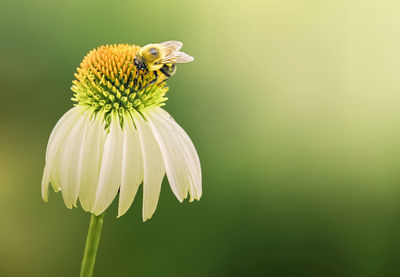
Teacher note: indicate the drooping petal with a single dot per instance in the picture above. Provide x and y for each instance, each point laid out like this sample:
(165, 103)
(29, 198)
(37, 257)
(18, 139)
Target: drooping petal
(180, 157)
(132, 165)
(57, 137)
(110, 170)
(153, 167)
(92, 156)
(182, 165)
(71, 161)
(174, 160)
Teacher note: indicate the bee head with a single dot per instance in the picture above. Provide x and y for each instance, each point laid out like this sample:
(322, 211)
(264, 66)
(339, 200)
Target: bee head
(155, 56)
(139, 62)
(151, 55)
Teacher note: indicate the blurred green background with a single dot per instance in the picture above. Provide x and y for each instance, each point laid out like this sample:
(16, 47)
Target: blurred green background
(293, 107)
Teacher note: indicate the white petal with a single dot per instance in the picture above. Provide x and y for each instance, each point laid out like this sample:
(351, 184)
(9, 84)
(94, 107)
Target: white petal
(71, 161)
(64, 122)
(93, 152)
(57, 137)
(153, 167)
(110, 171)
(132, 166)
(174, 160)
(180, 151)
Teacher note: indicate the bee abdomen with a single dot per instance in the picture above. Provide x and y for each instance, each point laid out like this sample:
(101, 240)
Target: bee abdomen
(168, 70)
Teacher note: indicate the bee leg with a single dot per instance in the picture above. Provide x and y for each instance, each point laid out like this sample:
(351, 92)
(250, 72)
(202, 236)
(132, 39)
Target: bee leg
(155, 78)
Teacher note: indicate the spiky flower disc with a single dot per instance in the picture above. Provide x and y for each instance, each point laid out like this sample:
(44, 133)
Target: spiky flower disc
(118, 137)
(108, 79)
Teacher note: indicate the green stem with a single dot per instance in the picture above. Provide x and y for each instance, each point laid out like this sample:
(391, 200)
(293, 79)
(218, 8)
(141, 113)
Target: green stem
(92, 243)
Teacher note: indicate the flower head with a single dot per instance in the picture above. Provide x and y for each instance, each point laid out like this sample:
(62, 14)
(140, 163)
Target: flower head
(117, 136)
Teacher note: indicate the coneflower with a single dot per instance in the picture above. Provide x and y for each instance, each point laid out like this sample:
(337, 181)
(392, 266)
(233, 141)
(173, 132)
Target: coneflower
(117, 136)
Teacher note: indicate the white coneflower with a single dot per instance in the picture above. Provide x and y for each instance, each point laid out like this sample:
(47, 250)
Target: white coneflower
(117, 136)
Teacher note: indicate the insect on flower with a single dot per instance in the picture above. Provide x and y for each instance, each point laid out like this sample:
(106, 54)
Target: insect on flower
(161, 56)
(117, 136)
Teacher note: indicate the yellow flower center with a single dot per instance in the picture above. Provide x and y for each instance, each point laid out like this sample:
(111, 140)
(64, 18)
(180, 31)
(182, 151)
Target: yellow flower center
(108, 79)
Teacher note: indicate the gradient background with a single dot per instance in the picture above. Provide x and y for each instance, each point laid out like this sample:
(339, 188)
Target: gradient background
(293, 107)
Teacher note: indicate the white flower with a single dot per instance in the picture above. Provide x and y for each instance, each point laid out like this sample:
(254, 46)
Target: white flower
(107, 145)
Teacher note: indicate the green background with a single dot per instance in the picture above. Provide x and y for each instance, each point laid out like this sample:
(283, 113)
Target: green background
(293, 107)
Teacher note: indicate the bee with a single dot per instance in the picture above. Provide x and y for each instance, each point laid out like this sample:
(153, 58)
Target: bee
(162, 56)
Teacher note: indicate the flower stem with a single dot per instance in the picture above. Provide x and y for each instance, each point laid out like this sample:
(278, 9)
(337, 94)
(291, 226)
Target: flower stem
(92, 243)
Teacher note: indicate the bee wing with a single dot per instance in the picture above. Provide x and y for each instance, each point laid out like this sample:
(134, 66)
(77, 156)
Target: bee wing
(172, 44)
(177, 57)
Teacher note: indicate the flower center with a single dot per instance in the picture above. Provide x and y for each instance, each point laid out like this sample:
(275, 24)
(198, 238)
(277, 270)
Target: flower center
(108, 79)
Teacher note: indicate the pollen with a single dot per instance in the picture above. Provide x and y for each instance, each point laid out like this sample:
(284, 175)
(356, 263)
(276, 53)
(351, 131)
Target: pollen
(108, 79)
